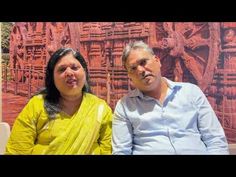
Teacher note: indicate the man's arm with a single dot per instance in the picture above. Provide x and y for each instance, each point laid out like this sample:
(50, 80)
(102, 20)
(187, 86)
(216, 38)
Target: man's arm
(121, 132)
(105, 132)
(212, 133)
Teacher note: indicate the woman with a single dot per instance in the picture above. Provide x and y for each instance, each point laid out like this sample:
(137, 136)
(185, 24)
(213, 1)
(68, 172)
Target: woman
(65, 118)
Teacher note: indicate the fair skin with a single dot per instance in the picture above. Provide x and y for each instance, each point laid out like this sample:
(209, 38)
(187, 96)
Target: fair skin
(144, 70)
(69, 78)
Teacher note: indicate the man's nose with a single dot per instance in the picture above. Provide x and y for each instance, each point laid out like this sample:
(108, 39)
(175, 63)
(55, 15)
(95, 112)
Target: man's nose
(140, 69)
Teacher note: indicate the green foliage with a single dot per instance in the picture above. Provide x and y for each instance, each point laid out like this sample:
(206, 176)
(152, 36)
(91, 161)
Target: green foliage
(6, 30)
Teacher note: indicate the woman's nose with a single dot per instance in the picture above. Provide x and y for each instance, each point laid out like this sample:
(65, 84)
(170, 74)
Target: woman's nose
(68, 72)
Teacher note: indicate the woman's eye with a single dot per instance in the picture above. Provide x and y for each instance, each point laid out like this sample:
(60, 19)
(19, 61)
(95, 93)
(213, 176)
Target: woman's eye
(75, 68)
(61, 70)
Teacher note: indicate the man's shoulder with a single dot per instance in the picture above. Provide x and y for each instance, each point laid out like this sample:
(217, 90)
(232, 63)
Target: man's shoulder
(129, 97)
(131, 94)
(188, 89)
(185, 85)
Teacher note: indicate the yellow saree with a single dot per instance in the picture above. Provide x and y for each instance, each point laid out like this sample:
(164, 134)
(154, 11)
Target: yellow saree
(88, 131)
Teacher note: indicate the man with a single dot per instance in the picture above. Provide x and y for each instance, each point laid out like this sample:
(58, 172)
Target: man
(161, 116)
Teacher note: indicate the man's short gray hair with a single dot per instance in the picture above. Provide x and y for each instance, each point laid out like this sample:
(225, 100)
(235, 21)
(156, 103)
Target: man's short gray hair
(133, 46)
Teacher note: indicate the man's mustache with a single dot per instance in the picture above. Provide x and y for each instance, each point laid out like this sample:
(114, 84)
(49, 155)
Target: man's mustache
(144, 75)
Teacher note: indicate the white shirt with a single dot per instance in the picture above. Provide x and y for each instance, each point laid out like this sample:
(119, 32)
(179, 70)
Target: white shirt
(184, 124)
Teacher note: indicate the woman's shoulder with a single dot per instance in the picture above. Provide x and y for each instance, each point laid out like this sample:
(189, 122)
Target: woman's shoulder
(35, 104)
(94, 98)
(37, 98)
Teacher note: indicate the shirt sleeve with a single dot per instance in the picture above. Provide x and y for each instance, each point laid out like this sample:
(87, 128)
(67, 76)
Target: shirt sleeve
(121, 132)
(105, 132)
(212, 133)
(23, 134)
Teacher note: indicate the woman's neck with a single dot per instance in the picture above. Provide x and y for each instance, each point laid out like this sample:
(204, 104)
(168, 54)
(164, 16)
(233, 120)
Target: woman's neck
(70, 104)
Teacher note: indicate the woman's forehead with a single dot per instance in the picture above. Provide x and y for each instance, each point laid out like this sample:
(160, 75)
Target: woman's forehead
(68, 59)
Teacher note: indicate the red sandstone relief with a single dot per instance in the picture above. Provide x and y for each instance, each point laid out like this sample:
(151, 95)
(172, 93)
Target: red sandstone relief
(201, 53)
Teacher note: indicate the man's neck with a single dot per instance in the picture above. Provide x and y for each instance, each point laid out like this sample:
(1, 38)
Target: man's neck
(159, 92)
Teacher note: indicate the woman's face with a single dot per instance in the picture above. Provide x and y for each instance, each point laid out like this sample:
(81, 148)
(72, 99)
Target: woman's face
(69, 76)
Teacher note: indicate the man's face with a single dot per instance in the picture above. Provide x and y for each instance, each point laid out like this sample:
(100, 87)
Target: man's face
(143, 69)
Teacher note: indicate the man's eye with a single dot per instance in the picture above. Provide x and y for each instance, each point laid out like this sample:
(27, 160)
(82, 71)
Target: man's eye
(133, 68)
(143, 62)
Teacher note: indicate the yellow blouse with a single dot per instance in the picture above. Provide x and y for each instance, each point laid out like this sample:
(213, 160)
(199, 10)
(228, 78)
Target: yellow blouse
(88, 131)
